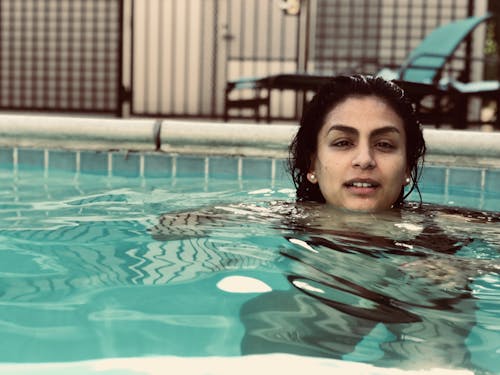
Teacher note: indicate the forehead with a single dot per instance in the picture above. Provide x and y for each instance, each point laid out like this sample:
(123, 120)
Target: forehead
(363, 112)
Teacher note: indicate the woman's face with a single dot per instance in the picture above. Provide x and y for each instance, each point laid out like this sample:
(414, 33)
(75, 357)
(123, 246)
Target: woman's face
(360, 161)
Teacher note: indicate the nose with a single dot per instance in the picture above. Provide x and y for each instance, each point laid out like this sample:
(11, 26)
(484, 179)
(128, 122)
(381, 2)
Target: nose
(363, 158)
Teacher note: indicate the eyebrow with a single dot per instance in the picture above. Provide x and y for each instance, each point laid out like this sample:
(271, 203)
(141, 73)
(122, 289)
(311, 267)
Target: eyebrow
(351, 130)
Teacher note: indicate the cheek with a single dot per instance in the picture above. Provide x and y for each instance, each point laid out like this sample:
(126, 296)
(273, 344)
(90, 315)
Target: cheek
(327, 161)
(399, 164)
(324, 168)
(405, 169)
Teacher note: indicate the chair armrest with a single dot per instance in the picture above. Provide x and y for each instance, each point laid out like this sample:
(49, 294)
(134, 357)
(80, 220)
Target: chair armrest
(472, 88)
(411, 64)
(246, 83)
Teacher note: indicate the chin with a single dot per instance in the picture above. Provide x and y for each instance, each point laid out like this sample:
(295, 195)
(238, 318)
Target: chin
(366, 207)
(363, 209)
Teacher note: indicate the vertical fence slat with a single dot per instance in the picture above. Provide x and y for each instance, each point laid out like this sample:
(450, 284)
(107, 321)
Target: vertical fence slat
(69, 42)
(83, 51)
(215, 53)
(186, 62)
(201, 44)
(160, 67)
(57, 50)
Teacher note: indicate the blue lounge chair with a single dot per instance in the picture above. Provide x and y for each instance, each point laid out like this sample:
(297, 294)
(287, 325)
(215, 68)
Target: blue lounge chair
(426, 62)
(422, 74)
(419, 75)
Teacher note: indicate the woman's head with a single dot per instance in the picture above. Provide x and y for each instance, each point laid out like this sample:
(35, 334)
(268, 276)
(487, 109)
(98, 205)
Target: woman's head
(358, 145)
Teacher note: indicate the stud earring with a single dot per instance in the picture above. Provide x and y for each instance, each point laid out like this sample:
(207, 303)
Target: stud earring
(407, 180)
(311, 177)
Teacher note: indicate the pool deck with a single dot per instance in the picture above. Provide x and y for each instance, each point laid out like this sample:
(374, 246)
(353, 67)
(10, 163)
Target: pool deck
(448, 147)
(247, 365)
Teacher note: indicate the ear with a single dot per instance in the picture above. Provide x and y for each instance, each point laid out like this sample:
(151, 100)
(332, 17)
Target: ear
(407, 178)
(311, 177)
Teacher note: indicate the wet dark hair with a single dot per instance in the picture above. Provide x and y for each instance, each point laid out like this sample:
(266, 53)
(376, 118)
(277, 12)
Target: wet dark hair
(340, 88)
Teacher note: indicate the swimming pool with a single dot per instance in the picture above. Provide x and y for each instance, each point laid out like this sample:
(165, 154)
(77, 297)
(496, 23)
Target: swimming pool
(89, 272)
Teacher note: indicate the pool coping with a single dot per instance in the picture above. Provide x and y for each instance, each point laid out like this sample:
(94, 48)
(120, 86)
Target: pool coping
(452, 147)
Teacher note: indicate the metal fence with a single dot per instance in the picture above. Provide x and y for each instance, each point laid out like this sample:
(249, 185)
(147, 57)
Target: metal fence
(369, 34)
(173, 58)
(61, 55)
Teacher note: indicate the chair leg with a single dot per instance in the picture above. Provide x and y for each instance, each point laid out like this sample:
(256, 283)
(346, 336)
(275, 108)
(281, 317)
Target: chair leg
(256, 109)
(497, 119)
(436, 110)
(268, 106)
(460, 110)
(226, 105)
(226, 114)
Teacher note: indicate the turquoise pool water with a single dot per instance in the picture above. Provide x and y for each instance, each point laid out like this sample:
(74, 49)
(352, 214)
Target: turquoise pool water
(106, 255)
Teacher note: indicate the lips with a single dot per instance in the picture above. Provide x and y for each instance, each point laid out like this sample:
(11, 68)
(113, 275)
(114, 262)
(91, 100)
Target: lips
(362, 187)
(362, 184)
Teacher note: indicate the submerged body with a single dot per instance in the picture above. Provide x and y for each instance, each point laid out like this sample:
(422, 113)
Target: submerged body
(401, 278)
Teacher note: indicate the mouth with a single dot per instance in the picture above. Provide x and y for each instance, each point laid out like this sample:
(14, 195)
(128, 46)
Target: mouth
(362, 186)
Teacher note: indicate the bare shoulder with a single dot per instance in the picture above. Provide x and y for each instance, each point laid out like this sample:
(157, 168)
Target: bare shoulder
(202, 221)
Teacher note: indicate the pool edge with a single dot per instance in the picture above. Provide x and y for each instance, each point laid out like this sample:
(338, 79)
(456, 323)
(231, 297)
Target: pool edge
(464, 147)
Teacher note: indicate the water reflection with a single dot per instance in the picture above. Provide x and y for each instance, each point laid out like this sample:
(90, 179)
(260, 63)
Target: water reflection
(415, 288)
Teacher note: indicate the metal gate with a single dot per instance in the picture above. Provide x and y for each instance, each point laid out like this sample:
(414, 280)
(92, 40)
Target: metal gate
(183, 52)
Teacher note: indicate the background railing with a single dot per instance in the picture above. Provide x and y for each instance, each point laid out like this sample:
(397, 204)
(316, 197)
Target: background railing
(172, 58)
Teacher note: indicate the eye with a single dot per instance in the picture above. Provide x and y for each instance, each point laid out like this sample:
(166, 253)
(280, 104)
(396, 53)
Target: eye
(385, 145)
(341, 143)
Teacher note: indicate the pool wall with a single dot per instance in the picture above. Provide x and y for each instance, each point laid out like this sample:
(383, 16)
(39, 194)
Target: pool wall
(195, 137)
(168, 148)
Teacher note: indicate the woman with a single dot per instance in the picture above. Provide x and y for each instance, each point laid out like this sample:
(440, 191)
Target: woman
(359, 144)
